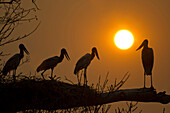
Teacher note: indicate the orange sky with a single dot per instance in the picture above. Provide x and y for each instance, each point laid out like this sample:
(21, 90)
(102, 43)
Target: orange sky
(78, 25)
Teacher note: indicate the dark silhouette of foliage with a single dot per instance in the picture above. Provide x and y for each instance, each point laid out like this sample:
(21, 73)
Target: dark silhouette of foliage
(32, 93)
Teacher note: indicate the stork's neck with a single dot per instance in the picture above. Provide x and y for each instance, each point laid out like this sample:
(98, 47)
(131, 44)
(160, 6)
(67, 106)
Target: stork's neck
(61, 57)
(21, 53)
(145, 46)
(92, 55)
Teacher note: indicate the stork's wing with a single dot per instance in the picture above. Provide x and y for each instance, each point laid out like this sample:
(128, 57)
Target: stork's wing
(48, 63)
(83, 62)
(152, 58)
(11, 64)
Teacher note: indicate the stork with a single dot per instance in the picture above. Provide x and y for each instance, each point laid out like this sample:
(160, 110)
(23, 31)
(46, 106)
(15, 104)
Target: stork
(14, 62)
(147, 59)
(84, 62)
(52, 62)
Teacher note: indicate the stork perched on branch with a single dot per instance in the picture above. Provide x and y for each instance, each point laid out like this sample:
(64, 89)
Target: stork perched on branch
(147, 59)
(84, 62)
(14, 62)
(52, 62)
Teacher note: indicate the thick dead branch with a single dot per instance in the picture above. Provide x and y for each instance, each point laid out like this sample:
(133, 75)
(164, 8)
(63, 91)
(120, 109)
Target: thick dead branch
(53, 95)
(139, 95)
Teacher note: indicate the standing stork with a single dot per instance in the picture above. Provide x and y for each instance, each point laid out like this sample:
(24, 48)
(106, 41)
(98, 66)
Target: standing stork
(147, 59)
(84, 62)
(52, 62)
(14, 61)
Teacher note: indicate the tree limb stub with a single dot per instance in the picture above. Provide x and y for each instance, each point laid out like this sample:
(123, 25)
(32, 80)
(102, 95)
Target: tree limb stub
(139, 95)
(53, 95)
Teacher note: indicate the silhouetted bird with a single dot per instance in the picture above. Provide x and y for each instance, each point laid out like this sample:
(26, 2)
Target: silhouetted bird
(14, 61)
(50, 63)
(147, 59)
(84, 62)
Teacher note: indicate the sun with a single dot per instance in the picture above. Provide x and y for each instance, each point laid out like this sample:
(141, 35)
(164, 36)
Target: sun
(123, 39)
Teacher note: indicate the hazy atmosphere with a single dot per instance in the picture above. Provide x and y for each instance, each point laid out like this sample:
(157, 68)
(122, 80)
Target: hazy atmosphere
(80, 25)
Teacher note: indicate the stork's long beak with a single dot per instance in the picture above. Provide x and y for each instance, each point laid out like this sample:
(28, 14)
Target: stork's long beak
(97, 54)
(66, 54)
(26, 51)
(140, 46)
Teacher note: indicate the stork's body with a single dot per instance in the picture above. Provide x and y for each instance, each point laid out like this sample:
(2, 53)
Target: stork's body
(83, 63)
(14, 61)
(52, 62)
(147, 60)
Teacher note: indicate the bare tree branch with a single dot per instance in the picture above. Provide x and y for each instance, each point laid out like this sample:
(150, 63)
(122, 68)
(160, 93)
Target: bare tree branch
(10, 2)
(33, 1)
(19, 38)
(13, 15)
(131, 108)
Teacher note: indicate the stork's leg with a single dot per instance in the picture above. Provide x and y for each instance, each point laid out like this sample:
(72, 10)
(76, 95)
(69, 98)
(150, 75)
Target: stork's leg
(14, 73)
(144, 81)
(82, 71)
(52, 73)
(78, 80)
(151, 83)
(85, 77)
(42, 74)
(10, 73)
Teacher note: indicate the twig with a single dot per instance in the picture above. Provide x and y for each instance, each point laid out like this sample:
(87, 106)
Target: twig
(19, 38)
(68, 80)
(33, 1)
(7, 2)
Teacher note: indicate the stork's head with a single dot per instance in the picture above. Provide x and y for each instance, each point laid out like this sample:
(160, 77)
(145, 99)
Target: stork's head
(144, 43)
(94, 50)
(22, 47)
(64, 52)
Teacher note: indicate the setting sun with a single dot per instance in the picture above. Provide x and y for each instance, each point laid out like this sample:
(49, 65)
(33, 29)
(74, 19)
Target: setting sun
(123, 39)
